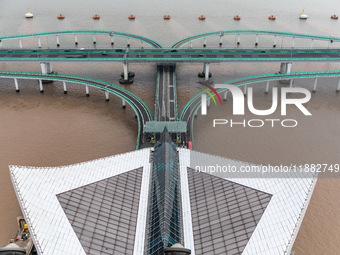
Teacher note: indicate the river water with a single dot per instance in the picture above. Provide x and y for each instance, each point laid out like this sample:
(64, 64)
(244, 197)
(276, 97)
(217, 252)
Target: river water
(53, 129)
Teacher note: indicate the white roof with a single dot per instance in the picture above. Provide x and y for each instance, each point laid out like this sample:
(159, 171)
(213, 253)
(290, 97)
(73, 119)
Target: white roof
(36, 189)
(277, 229)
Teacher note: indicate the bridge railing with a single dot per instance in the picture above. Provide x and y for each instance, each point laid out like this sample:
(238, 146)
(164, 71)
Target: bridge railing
(238, 33)
(112, 34)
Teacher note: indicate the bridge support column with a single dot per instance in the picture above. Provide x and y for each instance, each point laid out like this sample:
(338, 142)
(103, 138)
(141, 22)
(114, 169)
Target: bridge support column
(65, 88)
(16, 85)
(41, 86)
(286, 68)
(94, 39)
(112, 41)
(225, 95)
(87, 90)
(238, 39)
(245, 90)
(46, 68)
(312, 43)
(205, 42)
(205, 73)
(267, 87)
(283, 68)
(126, 75)
(49, 68)
(107, 96)
(39, 42)
(291, 83)
(274, 43)
(128, 42)
(20, 43)
(293, 42)
(141, 45)
(190, 45)
(43, 68)
(338, 88)
(315, 84)
(58, 42)
(75, 39)
(0, 43)
(221, 37)
(209, 101)
(126, 71)
(123, 104)
(257, 40)
(289, 68)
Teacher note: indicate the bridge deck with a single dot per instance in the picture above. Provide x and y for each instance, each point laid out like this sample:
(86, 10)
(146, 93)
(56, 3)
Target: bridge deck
(172, 56)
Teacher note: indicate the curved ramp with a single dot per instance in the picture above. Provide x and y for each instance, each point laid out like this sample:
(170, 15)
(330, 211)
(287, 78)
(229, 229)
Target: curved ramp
(149, 41)
(190, 109)
(188, 39)
(142, 111)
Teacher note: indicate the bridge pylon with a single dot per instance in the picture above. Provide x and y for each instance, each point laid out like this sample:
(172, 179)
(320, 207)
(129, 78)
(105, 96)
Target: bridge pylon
(206, 74)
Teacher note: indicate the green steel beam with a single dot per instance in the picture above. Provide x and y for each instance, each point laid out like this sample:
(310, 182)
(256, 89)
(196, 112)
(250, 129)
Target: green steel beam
(149, 41)
(185, 40)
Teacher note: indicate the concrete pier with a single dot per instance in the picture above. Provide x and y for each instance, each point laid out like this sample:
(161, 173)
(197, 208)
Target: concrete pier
(315, 84)
(43, 68)
(267, 87)
(87, 91)
(107, 94)
(41, 86)
(16, 85)
(245, 90)
(286, 68)
(127, 76)
(65, 87)
(205, 73)
(75, 39)
(39, 42)
(58, 42)
(46, 67)
(289, 68)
